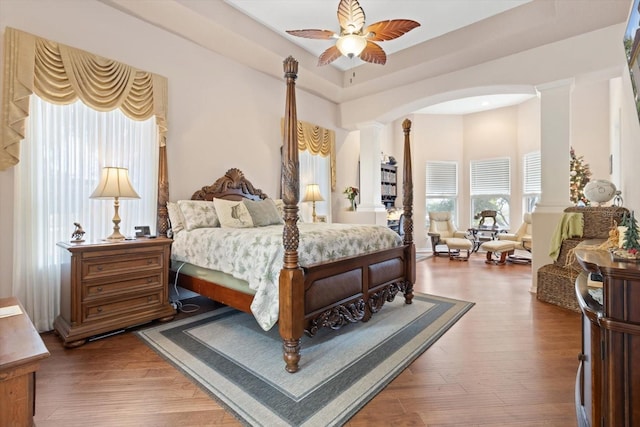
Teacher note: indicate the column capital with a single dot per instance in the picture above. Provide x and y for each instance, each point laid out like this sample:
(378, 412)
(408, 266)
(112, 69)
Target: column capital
(570, 83)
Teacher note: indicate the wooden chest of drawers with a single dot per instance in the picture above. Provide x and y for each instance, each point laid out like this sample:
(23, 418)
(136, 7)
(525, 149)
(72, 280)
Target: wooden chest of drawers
(110, 286)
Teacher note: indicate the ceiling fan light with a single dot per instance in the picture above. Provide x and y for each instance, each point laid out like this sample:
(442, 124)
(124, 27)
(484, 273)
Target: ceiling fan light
(351, 45)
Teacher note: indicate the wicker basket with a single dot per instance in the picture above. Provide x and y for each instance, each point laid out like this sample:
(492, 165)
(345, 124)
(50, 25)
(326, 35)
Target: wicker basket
(556, 282)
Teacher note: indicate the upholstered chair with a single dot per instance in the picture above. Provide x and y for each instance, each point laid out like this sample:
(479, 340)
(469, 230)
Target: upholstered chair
(441, 228)
(522, 236)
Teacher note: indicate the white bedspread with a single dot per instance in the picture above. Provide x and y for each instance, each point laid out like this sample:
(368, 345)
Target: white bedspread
(256, 254)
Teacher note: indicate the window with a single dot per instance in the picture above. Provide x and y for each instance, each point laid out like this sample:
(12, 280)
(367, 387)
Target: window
(491, 188)
(532, 182)
(62, 156)
(315, 170)
(442, 189)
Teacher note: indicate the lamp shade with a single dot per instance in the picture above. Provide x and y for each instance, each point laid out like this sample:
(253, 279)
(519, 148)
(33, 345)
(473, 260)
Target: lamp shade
(312, 194)
(351, 45)
(114, 182)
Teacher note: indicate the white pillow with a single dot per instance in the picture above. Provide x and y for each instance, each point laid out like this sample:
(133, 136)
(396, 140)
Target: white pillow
(175, 217)
(233, 213)
(198, 214)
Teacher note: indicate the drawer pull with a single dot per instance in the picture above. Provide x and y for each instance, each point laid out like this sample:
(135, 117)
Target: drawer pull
(99, 268)
(149, 261)
(149, 299)
(100, 289)
(99, 309)
(149, 280)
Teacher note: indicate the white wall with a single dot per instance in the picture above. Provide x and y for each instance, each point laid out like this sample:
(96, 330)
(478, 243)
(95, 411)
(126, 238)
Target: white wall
(630, 145)
(590, 125)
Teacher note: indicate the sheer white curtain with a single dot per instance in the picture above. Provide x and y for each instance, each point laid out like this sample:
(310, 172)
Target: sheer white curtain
(64, 150)
(315, 170)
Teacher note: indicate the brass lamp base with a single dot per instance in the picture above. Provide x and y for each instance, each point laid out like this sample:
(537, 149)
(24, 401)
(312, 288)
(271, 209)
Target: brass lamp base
(116, 236)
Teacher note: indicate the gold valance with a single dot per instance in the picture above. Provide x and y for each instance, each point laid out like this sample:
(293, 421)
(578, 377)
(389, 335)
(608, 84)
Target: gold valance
(61, 74)
(319, 142)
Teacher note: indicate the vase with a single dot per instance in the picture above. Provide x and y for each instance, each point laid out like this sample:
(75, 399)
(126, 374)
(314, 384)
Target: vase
(353, 204)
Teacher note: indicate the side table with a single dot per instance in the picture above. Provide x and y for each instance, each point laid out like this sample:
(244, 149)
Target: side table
(21, 350)
(482, 234)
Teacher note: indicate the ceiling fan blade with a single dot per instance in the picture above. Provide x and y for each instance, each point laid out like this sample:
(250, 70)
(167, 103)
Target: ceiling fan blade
(389, 30)
(350, 16)
(373, 53)
(329, 55)
(313, 34)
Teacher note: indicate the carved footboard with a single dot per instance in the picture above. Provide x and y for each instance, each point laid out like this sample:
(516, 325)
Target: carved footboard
(353, 289)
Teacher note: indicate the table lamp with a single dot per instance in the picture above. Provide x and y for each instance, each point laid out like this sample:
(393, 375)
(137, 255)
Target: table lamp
(312, 194)
(114, 183)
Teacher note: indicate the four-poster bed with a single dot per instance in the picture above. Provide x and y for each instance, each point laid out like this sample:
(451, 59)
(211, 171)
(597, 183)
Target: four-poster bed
(326, 294)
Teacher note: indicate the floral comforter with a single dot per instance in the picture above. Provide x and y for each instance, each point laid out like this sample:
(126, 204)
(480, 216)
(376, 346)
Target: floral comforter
(256, 254)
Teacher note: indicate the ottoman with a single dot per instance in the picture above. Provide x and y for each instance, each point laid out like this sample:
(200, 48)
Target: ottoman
(457, 244)
(504, 247)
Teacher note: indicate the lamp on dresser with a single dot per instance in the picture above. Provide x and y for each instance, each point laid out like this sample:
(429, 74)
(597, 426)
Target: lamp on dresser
(312, 194)
(114, 183)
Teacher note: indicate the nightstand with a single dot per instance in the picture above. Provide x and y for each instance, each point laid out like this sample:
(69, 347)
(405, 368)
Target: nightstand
(109, 286)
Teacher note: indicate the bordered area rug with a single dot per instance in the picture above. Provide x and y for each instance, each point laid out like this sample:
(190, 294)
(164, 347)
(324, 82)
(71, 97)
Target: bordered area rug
(228, 354)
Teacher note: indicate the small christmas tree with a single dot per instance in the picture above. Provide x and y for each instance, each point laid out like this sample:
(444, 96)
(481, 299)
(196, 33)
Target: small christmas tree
(579, 174)
(631, 243)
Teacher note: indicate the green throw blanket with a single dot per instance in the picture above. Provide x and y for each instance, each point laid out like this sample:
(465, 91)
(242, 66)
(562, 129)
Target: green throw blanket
(571, 225)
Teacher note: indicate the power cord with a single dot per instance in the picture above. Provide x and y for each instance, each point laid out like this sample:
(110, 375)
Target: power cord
(177, 304)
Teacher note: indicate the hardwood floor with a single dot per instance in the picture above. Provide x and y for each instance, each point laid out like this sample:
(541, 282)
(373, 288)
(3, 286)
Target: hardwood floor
(510, 361)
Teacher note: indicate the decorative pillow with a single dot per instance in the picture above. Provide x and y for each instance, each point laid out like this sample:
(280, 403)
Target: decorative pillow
(198, 214)
(280, 207)
(175, 217)
(263, 212)
(233, 213)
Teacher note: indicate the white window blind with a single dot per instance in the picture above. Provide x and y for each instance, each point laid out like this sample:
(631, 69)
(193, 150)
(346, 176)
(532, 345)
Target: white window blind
(442, 179)
(532, 173)
(490, 177)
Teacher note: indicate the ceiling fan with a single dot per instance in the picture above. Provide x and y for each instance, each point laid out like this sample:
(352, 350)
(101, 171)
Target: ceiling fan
(354, 39)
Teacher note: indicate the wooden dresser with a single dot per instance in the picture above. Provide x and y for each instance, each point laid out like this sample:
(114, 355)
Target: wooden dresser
(21, 350)
(111, 286)
(608, 380)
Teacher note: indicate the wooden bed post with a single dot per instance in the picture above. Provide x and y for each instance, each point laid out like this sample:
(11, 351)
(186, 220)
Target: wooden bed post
(162, 225)
(291, 311)
(407, 201)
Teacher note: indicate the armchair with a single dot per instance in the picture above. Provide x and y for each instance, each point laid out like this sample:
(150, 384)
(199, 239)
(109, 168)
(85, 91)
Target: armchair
(441, 228)
(521, 238)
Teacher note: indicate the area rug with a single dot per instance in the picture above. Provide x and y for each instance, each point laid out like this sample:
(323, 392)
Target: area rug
(227, 353)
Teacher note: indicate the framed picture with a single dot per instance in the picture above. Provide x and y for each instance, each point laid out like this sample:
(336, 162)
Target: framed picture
(142, 231)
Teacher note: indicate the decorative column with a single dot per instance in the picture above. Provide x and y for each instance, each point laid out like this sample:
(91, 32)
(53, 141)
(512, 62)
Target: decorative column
(370, 176)
(555, 144)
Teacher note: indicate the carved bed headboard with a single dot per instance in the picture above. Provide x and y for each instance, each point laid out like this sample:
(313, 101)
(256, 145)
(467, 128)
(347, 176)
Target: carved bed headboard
(232, 186)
